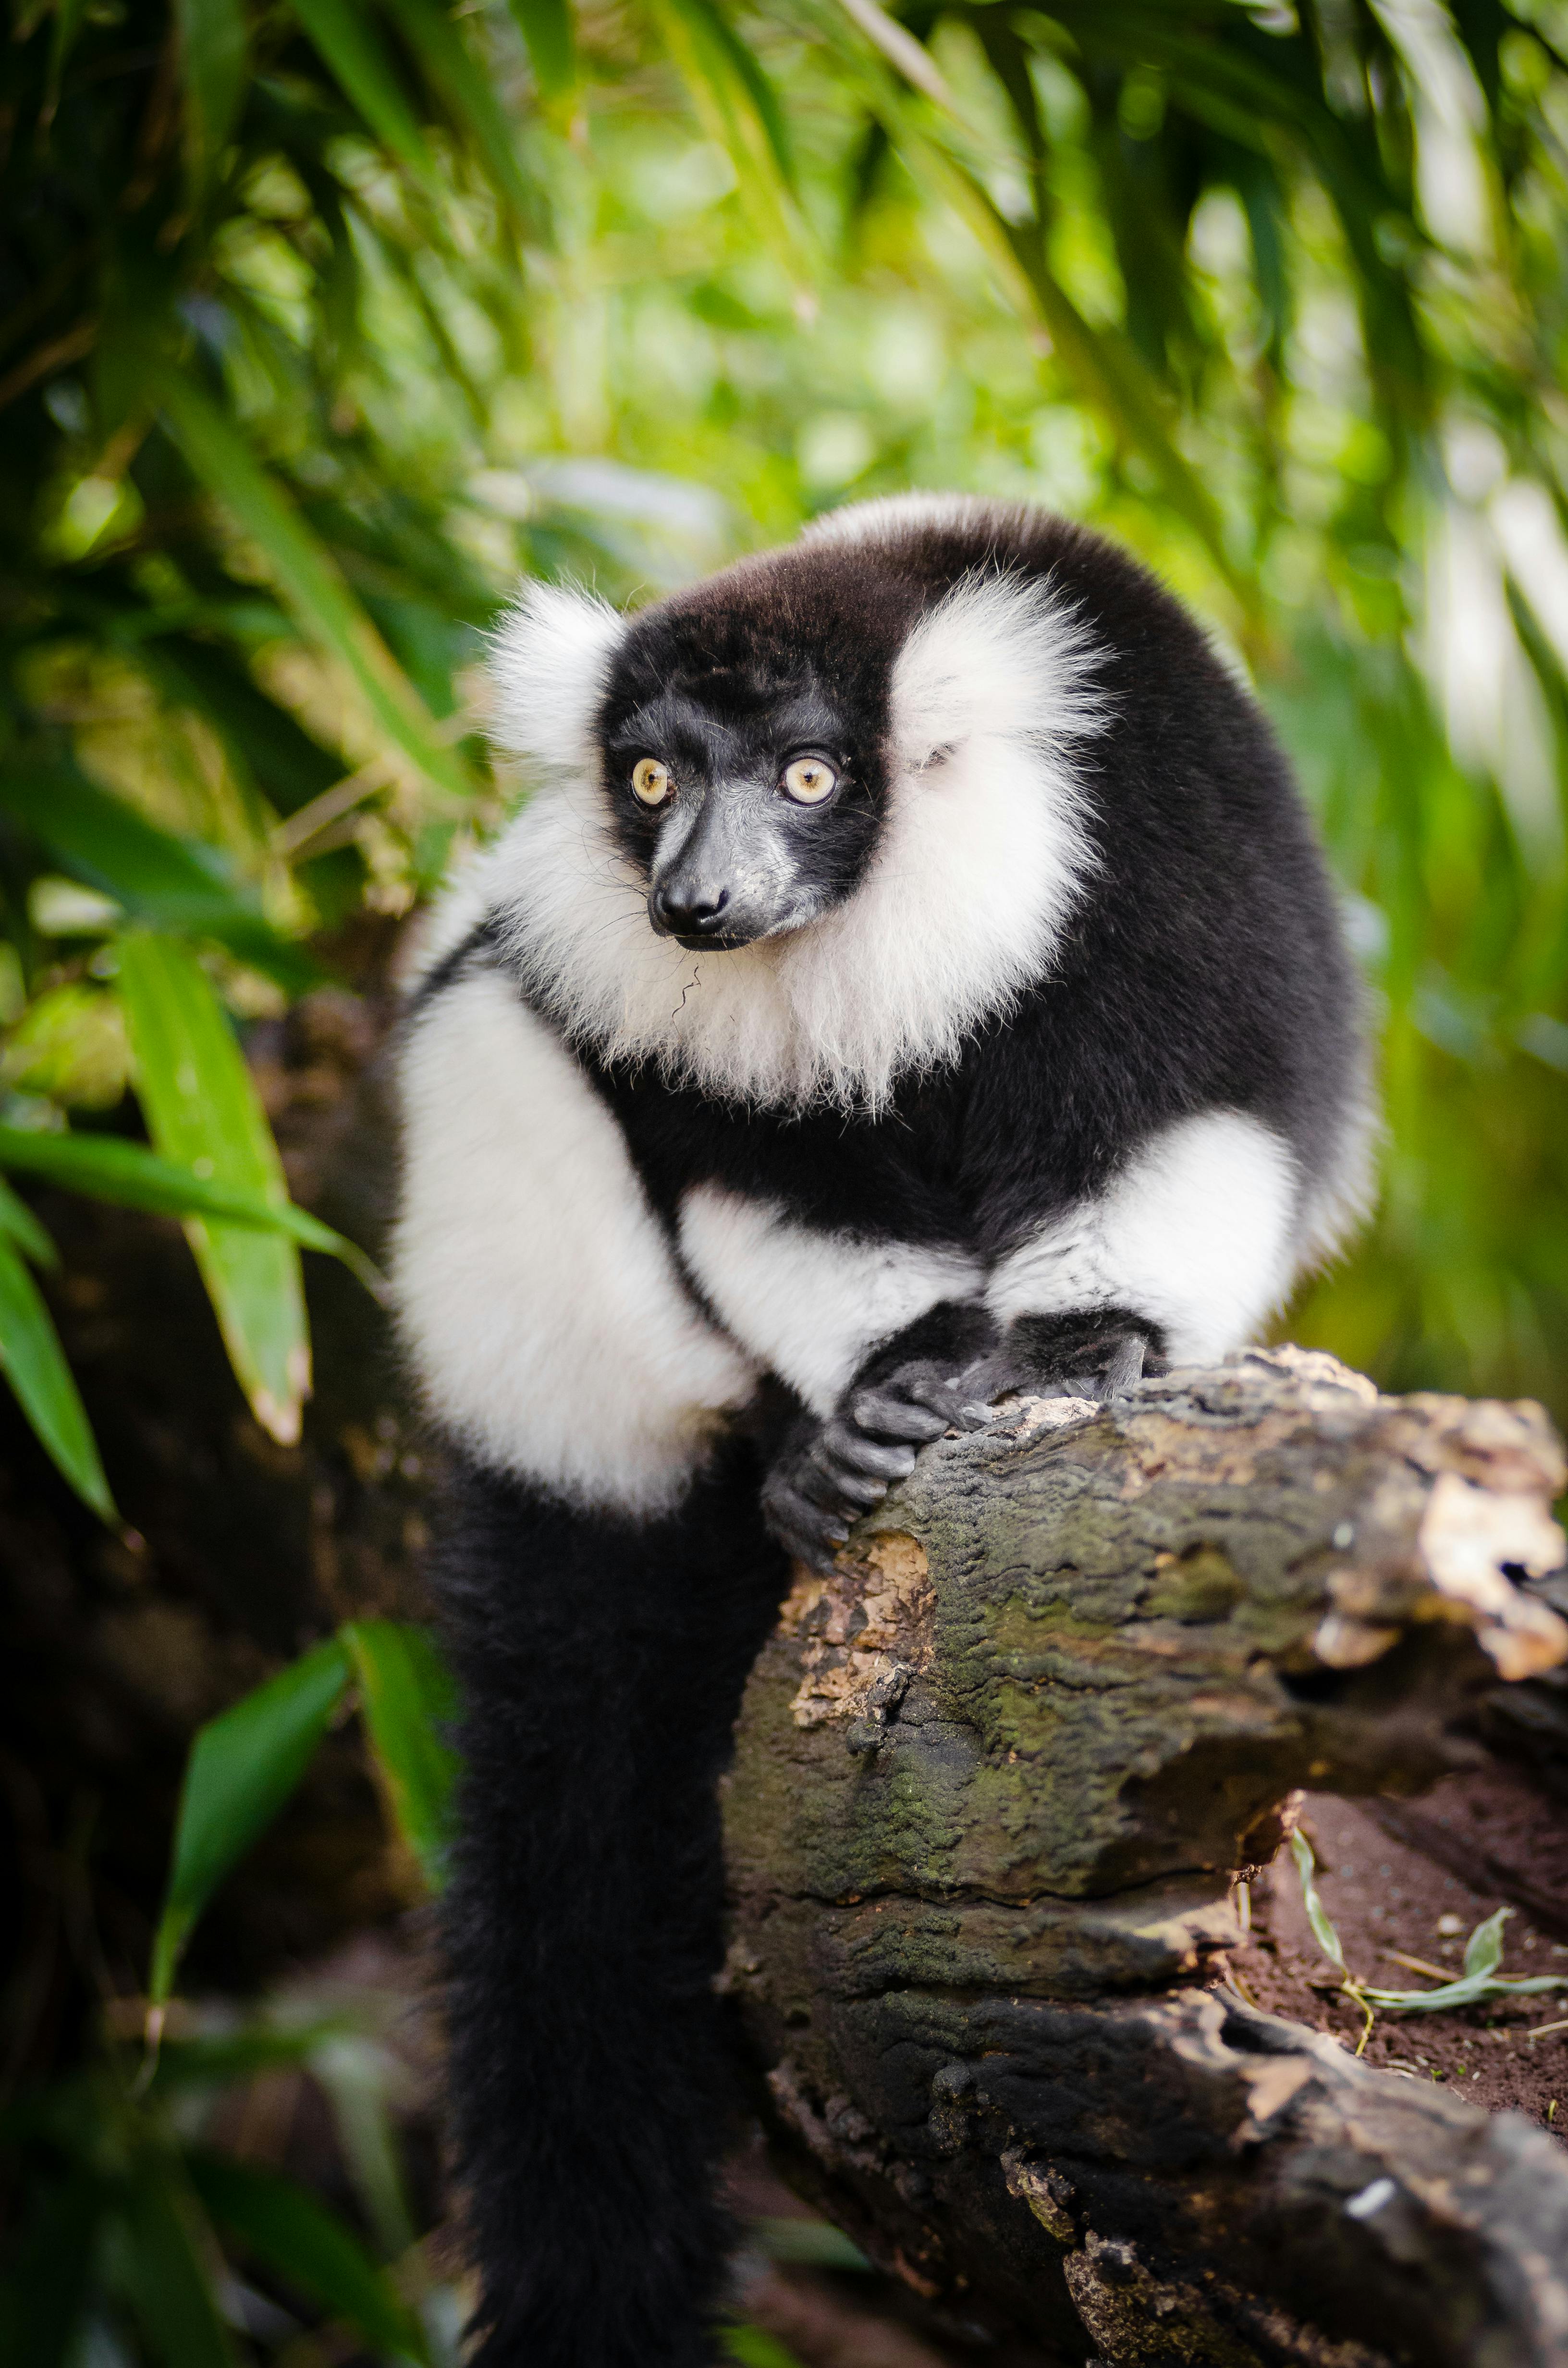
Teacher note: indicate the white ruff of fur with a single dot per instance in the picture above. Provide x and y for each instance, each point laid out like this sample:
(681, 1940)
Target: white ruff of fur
(979, 862)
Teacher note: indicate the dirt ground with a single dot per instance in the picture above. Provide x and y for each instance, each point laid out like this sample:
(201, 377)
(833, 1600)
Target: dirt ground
(1391, 1901)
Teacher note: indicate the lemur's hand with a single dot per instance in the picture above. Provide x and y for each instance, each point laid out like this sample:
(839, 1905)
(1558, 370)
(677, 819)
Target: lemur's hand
(827, 1476)
(1089, 1353)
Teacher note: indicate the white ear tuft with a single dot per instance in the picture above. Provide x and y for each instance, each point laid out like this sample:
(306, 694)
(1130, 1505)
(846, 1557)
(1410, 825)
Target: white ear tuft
(1000, 656)
(549, 663)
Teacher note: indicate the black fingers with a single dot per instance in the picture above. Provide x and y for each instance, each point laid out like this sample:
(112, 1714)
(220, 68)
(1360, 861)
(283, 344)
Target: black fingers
(988, 1379)
(812, 1532)
(947, 1396)
(825, 1482)
(887, 1415)
(842, 1446)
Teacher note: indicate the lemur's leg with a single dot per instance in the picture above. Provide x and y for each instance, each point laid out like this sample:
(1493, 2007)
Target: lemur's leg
(601, 1663)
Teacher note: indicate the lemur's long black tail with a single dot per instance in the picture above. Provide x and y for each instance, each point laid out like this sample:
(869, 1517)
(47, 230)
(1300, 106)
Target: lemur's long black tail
(601, 1663)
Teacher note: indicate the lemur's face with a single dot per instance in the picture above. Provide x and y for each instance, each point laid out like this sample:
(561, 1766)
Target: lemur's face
(744, 764)
(745, 822)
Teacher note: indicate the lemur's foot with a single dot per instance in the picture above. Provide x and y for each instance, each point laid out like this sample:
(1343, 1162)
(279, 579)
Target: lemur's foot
(823, 1482)
(1094, 1354)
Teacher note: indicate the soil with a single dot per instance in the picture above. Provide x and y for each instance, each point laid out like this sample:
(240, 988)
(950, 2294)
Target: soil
(1417, 1880)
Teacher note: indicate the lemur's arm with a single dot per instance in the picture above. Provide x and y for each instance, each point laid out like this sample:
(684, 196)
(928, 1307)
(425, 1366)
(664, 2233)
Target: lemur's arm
(1180, 1257)
(536, 1289)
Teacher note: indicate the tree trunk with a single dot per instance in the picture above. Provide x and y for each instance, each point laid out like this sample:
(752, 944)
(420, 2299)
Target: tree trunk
(997, 1781)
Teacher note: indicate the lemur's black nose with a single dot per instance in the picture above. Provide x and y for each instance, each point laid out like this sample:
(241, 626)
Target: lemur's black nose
(687, 911)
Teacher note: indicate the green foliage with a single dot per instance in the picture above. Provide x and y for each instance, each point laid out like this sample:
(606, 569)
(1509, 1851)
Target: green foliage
(405, 1691)
(755, 2348)
(1480, 1985)
(287, 2227)
(243, 1766)
(132, 2216)
(112, 1169)
(810, 2241)
(319, 322)
(35, 1366)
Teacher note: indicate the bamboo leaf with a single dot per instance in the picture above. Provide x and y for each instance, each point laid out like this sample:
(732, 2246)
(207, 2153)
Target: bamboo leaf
(1110, 378)
(262, 740)
(18, 1222)
(243, 1766)
(740, 112)
(34, 1363)
(307, 576)
(408, 1696)
(204, 1114)
(219, 2061)
(176, 883)
(165, 2273)
(940, 150)
(309, 2245)
(1323, 1932)
(1483, 1949)
(69, 18)
(549, 36)
(109, 1168)
(213, 49)
(816, 2243)
(351, 44)
(440, 43)
(753, 2348)
(45, 2290)
(715, 30)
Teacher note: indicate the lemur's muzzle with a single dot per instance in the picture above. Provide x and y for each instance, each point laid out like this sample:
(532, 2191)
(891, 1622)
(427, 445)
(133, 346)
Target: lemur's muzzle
(726, 884)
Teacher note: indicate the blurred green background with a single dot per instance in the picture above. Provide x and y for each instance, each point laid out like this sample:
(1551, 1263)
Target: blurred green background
(321, 321)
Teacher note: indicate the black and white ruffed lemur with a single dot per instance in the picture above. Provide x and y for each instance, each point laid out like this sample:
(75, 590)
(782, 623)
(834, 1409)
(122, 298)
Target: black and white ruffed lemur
(916, 979)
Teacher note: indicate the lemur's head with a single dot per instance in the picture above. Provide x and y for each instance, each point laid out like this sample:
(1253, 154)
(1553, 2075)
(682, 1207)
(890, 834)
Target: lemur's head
(739, 731)
(849, 766)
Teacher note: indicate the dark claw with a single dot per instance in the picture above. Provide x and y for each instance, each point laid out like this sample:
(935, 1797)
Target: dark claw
(820, 1486)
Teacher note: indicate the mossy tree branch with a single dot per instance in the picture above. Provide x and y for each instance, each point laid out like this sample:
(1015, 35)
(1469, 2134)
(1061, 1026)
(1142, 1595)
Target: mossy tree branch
(995, 1782)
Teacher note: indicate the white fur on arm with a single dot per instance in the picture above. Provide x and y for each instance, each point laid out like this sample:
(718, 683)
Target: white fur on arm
(536, 1292)
(1198, 1233)
(807, 1304)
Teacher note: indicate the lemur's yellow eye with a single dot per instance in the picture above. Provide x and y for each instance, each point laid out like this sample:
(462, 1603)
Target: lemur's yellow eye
(808, 780)
(651, 781)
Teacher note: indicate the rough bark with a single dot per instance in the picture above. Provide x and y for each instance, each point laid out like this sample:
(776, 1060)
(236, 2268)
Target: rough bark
(995, 1781)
